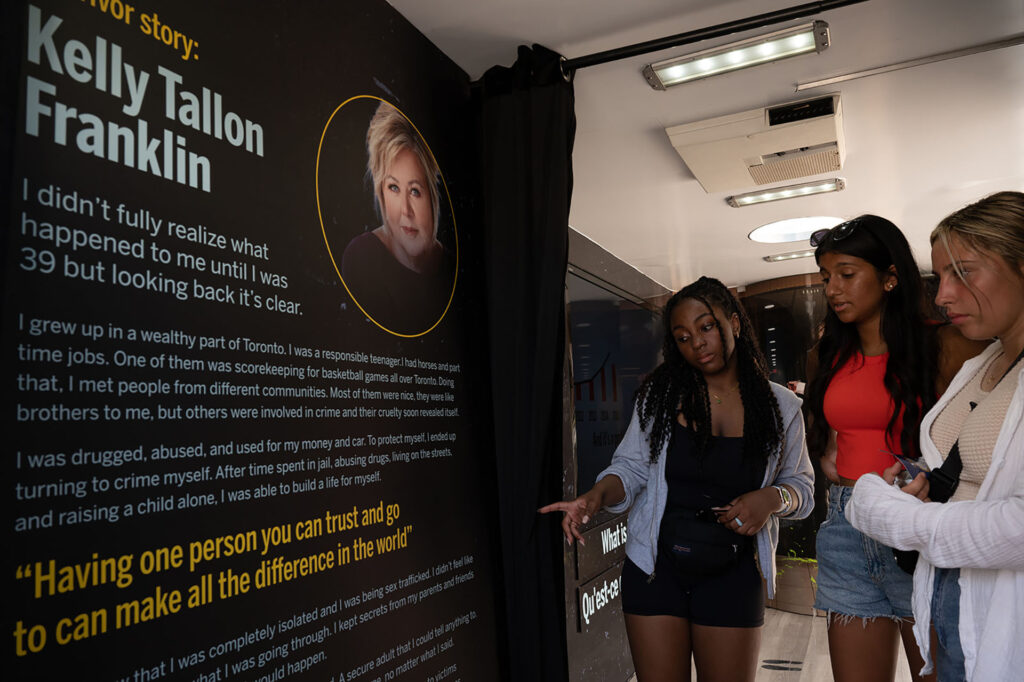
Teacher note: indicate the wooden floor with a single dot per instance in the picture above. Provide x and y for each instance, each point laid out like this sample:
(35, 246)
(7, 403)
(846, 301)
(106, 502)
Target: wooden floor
(803, 642)
(794, 648)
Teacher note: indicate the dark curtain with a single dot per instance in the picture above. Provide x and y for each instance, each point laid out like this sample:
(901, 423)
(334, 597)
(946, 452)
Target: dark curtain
(528, 125)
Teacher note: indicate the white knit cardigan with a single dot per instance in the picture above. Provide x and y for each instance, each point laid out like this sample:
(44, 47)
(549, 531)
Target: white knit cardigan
(983, 537)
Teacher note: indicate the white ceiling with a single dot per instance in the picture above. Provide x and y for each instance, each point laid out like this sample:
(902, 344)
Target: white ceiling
(921, 142)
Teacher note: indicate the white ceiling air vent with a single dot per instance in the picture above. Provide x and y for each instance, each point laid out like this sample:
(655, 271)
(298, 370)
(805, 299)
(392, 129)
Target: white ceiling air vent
(765, 145)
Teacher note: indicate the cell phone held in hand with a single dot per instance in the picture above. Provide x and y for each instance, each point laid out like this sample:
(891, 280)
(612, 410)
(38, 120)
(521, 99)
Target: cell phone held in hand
(912, 466)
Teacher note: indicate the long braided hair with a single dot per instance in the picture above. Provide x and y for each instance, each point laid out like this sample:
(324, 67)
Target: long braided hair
(913, 353)
(675, 386)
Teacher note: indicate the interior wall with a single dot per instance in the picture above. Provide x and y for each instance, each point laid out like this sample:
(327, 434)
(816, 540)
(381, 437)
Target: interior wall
(230, 455)
(614, 340)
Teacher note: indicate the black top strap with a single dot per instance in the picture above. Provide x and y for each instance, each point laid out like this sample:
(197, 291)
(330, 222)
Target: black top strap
(943, 481)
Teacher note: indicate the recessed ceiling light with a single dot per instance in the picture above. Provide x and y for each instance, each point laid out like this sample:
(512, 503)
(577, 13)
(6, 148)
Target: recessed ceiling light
(792, 229)
(788, 192)
(769, 47)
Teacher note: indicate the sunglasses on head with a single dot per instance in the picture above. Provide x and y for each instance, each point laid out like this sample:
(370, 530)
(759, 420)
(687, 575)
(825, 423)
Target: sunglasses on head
(838, 233)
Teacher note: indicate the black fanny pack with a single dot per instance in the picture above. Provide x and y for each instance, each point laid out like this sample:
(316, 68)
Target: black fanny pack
(697, 544)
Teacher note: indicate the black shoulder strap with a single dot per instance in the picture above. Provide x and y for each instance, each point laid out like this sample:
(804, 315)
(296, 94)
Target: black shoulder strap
(943, 482)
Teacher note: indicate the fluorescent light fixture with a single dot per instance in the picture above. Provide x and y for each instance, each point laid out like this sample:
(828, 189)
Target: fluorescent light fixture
(789, 256)
(769, 47)
(792, 229)
(787, 192)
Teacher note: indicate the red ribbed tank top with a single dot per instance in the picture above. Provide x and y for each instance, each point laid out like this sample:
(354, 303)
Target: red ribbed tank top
(858, 407)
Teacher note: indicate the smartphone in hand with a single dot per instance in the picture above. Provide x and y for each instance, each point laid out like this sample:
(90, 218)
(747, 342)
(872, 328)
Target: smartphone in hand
(912, 466)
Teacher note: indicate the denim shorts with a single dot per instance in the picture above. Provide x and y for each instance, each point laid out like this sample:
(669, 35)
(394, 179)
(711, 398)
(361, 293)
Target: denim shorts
(857, 576)
(949, 657)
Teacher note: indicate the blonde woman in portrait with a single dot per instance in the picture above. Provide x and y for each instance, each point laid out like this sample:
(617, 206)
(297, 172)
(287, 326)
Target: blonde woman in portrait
(399, 273)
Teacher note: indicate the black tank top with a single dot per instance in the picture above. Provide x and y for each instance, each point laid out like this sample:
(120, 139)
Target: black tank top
(697, 482)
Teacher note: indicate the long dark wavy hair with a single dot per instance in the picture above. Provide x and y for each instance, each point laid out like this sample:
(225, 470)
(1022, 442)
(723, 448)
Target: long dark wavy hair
(911, 369)
(675, 386)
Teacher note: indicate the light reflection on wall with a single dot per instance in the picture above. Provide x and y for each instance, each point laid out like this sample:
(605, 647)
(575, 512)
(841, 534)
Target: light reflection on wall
(615, 343)
(786, 323)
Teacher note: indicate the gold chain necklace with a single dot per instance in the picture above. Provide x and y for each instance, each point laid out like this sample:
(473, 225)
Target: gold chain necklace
(718, 400)
(990, 375)
(1006, 371)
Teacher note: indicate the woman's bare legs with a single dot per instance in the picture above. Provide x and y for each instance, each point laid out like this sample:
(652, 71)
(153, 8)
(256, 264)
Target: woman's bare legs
(863, 652)
(866, 652)
(725, 654)
(660, 647)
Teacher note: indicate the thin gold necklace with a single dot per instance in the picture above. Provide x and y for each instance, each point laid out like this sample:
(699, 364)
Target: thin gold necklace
(990, 375)
(718, 400)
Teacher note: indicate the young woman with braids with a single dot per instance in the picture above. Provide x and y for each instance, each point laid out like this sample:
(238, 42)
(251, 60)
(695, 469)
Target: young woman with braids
(713, 456)
(879, 366)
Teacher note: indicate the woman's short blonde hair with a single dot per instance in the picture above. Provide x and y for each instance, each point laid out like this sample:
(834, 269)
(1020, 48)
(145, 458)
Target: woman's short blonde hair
(389, 133)
(994, 224)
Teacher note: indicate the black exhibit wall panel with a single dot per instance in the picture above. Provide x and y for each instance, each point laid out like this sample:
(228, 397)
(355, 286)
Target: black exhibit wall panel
(245, 420)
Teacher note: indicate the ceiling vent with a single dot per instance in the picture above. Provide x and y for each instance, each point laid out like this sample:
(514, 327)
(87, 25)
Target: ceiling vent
(762, 146)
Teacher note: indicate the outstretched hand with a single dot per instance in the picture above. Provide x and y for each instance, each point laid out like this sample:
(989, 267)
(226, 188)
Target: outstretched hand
(578, 513)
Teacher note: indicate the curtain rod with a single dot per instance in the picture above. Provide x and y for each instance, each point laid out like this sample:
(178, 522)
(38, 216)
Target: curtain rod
(758, 21)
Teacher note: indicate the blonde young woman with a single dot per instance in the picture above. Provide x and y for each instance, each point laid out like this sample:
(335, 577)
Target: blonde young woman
(969, 581)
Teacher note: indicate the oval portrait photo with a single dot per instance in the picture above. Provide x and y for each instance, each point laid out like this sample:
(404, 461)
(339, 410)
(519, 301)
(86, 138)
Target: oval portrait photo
(386, 216)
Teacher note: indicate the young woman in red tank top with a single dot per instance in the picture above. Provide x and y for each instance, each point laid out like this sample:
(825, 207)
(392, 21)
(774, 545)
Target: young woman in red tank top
(879, 366)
